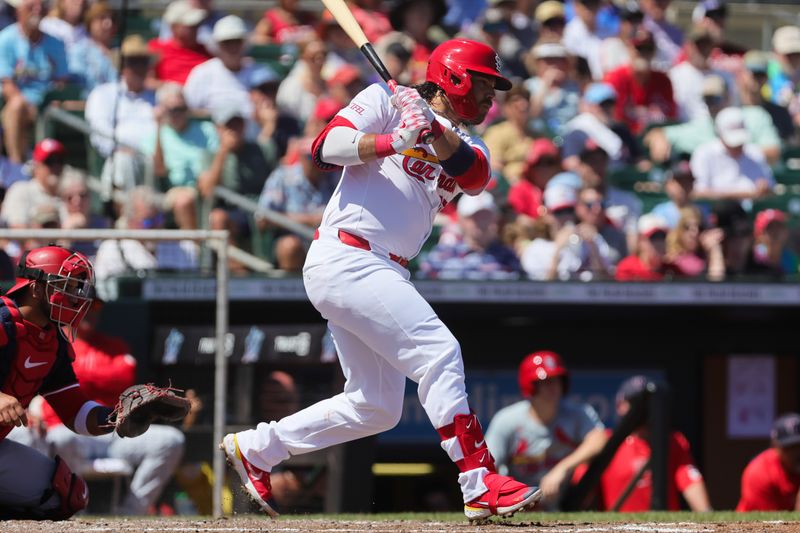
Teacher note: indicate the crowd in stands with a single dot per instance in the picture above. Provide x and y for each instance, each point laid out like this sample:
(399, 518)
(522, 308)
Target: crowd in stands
(628, 148)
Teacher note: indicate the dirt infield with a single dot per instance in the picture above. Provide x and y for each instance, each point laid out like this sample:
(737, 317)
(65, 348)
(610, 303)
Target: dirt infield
(292, 525)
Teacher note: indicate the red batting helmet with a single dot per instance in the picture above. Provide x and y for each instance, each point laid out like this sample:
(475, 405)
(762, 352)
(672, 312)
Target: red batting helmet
(69, 279)
(539, 366)
(450, 65)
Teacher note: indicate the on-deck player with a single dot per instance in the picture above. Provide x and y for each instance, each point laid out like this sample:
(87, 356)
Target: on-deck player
(355, 274)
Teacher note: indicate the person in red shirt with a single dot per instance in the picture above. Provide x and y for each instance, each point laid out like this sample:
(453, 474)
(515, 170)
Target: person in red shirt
(644, 95)
(771, 481)
(179, 54)
(285, 23)
(542, 162)
(38, 318)
(105, 368)
(683, 476)
(647, 263)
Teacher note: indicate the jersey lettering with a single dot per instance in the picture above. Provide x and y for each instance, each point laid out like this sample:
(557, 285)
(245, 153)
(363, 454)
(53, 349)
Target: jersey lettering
(419, 169)
(357, 108)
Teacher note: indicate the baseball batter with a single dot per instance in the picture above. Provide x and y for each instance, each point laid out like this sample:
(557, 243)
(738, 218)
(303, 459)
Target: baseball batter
(355, 274)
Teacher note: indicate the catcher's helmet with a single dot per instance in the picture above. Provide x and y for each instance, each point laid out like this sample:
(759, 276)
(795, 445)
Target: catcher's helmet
(539, 366)
(69, 278)
(450, 65)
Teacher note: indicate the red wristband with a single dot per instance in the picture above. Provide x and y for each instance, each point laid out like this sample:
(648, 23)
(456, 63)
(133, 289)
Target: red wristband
(383, 145)
(437, 129)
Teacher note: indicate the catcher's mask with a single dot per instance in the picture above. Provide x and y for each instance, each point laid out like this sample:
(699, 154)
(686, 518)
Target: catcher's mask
(69, 283)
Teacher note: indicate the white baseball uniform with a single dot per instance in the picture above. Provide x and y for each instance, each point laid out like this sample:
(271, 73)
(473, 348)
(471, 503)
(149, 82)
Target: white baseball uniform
(383, 329)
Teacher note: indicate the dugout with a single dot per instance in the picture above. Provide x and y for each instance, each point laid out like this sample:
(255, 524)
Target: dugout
(728, 351)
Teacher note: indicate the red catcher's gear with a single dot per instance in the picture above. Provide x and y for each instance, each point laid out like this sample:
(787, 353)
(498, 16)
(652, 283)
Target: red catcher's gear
(450, 65)
(70, 283)
(539, 366)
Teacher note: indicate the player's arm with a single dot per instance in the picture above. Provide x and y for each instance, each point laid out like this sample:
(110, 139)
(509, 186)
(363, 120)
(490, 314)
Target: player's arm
(696, 496)
(688, 479)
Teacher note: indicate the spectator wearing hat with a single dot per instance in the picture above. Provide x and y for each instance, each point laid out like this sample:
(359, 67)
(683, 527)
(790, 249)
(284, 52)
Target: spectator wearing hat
(581, 37)
(180, 149)
(23, 198)
(783, 71)
(687, 76)
(287, 22)
(771, 247)
(545, 436)
(65, 22)
(712, 16)
(647, 264)
(644, 95)
(614, 49)
(591, 212)
(179, 54)
(677, 140)
(552, 21)
(596, 123)
(415, 18)
(268, 124)
(122, 114)
(300, 191)
(753, 90)
(91, 60)
(239, 165)
(575, 250)
(693, 250)
(683, 477)
(542, 162)
(679, 186)
(204, 30)
(345, 83)
(324, 112)
(494, 29)
(729, 167)
(305, 84)
(31, 62)
(555, 92)
(667, 38)
(478, 254)
(737, 243)
(395, 49)
(508, 141)
(771, 481)
(214, 83)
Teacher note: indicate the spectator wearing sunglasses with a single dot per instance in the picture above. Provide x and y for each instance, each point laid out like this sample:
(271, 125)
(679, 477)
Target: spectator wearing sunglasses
(647, 264)
(591, 211)
(24, 198)
(74, 191)
(555, 92)
(179, 54)
(542, 162)
(693, 250)
(552, 21)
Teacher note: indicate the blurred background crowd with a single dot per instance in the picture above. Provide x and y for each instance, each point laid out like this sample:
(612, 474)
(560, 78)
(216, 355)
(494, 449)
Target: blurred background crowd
(629, 148)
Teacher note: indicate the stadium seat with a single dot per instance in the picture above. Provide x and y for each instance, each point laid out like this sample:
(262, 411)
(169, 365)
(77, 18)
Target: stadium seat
(626, 177)
(275, 56)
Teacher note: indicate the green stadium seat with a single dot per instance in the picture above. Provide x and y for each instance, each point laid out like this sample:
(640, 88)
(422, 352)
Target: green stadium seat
(626, 177)
(651, 199)
(274, 56)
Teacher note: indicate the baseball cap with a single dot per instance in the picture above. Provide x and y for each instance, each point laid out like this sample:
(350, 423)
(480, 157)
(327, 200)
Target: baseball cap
(261, 76)
(46, 148)
(633, 386)
(629, 10)
(786, 40)
(538, 149)
(565, 179)
(597, 93)
(549, 50)
(14, 3)
(707, 7)
(549, 9)
(469, 205)
(229, 28)
(326, 108)
(765, 218)
(650, 224)
(786, 430)
(135, 46)
(730, 127)
(714, 85)
(756, 61)
(183, 13)
(560, 197)
(345, 75)
(225, 112)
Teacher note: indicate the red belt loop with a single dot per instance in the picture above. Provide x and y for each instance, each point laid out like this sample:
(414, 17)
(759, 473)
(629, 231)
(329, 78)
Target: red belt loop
(363, 244)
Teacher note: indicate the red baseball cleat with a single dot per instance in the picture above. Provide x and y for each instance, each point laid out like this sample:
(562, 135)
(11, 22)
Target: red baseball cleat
(255, 480)
(504, 497)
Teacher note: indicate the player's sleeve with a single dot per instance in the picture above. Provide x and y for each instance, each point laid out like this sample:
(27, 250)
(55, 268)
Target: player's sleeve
(474, 178)
(63, 392)
(369, 112)
(757, 493)
(686, 473)
(498, 440)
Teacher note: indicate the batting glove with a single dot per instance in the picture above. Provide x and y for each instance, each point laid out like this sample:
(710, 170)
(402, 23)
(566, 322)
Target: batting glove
(406, 135)
(405, 97)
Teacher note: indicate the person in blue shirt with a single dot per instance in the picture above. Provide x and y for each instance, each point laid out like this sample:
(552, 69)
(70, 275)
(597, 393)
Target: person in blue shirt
(477, 253)
(299, 190)
(30, 62)
(91, 60)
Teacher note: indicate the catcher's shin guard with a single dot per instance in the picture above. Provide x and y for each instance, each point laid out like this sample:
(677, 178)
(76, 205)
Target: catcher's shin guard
(71, 489)
(497, 495)
(255, 481)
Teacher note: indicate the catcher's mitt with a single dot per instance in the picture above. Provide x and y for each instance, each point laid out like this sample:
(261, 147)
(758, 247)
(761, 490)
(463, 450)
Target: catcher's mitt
(142, 405)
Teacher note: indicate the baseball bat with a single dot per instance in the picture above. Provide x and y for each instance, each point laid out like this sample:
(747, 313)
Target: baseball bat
(344, 17)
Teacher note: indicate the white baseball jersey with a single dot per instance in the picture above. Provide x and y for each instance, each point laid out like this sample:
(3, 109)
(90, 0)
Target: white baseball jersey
(391, 201)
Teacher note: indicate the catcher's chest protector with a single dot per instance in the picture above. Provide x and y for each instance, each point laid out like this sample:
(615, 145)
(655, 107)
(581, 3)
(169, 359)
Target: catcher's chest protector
(23, 371)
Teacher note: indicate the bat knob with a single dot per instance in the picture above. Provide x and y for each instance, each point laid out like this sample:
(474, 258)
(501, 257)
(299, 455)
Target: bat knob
(427, 136)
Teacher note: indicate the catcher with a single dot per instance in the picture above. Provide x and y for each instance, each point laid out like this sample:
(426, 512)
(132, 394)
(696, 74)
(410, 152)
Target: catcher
(38, 317)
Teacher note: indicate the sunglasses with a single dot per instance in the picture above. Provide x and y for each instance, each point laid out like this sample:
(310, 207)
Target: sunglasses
(555, 22)
(54, 161)
(646, 48)
(593, 204)
(81, 195)
(177, 110)
(658, 236)
(548, 162)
